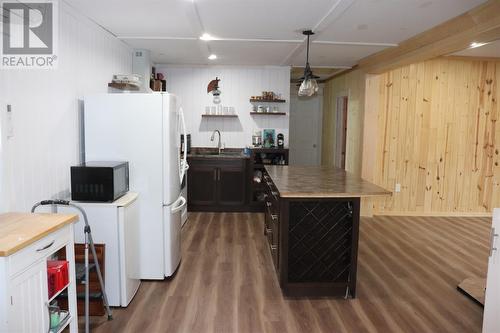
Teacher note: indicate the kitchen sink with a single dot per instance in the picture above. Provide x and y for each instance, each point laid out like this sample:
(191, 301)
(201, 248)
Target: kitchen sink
(215, 153)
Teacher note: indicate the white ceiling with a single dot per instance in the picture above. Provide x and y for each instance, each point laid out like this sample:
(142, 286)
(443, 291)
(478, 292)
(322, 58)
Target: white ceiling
(490, 50)
(268, 32)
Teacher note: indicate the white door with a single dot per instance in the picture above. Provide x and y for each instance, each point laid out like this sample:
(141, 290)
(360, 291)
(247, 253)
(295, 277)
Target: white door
(491, 319)
(305, 130)
(28, 312)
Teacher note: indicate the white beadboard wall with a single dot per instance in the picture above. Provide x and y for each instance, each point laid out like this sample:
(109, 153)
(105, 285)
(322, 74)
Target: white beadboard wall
(237, 84)
(45, 106)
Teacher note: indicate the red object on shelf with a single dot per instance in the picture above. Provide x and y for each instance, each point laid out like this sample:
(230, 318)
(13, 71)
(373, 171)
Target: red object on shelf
(57, 276)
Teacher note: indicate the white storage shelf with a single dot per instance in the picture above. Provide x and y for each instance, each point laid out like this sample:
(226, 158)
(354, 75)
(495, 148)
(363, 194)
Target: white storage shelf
(24, 285)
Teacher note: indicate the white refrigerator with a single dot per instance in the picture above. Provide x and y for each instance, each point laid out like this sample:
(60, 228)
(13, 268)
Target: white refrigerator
(144, 129)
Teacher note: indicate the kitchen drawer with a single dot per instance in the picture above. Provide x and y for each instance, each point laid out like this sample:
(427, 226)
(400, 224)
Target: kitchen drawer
(270, 185)
(40, 249)
(274, 222)
(269, 235)
(274, 255)
(221, 163)
(272, 205)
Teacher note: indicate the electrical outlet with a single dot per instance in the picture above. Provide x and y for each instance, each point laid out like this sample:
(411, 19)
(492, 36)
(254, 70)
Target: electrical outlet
(398, 188)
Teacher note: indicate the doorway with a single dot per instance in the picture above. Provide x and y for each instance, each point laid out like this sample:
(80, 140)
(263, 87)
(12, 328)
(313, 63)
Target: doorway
(341, 132)
(305, 128)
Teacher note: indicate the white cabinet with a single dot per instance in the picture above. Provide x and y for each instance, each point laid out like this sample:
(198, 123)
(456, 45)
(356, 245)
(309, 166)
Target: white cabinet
(116, 225)
(28, 291)
(24, 295)
(491, 320)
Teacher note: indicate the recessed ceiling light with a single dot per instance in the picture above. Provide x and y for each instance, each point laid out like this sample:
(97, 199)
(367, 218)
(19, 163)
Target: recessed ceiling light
(474, 45)
(206, 37)
(212, 57)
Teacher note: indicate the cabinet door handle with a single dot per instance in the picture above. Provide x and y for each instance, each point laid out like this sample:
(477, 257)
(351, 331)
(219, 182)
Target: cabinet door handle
(274, 216)
(45, 247)
(492, 241)
(218, 172)
(274, 247)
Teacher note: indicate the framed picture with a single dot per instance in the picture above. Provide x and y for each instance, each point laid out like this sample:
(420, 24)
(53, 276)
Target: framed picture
(269, 138)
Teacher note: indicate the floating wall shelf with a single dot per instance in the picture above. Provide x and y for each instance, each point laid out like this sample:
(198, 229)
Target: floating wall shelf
(219, 115)
(268, 113)
(267, 100)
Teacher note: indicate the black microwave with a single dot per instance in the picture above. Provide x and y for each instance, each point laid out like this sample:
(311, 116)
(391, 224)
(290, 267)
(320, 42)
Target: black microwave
(99, 181)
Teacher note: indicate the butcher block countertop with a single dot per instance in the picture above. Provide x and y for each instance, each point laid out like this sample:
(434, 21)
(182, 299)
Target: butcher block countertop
(18, 230)
(320, 182)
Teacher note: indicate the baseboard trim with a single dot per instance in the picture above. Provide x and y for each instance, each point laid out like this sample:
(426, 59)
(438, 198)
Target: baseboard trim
(435, 214)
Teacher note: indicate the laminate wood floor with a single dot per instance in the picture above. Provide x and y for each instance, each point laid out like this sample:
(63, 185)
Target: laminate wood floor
(408, 272)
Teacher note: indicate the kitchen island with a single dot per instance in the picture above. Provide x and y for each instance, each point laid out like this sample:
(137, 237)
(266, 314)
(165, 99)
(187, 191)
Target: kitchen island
(312, 226)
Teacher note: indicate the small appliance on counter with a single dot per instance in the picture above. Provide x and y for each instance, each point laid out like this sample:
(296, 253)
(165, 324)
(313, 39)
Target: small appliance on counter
(257, 139)
(99, 181)
(281, 140)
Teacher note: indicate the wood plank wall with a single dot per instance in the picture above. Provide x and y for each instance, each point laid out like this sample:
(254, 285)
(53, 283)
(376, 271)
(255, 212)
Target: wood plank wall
(437, 136)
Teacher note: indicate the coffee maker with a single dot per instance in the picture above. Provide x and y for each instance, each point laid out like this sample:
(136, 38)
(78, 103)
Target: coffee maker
(281, 140)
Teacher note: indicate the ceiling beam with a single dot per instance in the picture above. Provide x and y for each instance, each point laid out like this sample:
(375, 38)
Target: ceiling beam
(471, 58)
(331, 16)
(353, 43)
(259, 40)
(193, 14)
(480, 24)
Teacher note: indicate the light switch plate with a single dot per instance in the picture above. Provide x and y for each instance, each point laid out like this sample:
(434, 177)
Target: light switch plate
(9, 122)
(398, 188)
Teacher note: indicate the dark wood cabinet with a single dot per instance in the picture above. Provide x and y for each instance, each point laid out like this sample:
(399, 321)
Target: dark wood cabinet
(231, 186)
(217, 184)
(202, 182)
(271, 219)
(260, 157)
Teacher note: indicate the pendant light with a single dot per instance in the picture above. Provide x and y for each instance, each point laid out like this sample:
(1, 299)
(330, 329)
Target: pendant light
(309, 85)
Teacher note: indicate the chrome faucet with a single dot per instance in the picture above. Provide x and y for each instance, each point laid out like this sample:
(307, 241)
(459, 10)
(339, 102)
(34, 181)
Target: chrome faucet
(213, 137)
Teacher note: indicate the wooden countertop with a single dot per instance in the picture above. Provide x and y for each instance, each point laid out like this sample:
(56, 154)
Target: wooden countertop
(18, 230)
(320, 182)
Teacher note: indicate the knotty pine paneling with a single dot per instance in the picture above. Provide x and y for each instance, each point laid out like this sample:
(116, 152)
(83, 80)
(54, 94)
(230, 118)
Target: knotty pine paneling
(45, 104)
(437, 136)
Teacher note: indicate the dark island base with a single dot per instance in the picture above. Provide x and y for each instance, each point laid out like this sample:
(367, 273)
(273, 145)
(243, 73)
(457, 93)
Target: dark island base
(313, 243)
(319, 246)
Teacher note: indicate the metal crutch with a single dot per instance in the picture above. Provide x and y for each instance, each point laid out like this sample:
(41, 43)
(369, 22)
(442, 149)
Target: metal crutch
(88, 241)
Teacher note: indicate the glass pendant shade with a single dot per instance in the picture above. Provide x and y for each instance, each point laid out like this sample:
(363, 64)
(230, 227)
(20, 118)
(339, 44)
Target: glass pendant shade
(216, 94)
(308, 87)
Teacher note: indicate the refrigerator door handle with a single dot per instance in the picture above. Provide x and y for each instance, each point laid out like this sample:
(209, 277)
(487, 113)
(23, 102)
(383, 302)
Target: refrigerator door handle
(184, 165)
(179, 204)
